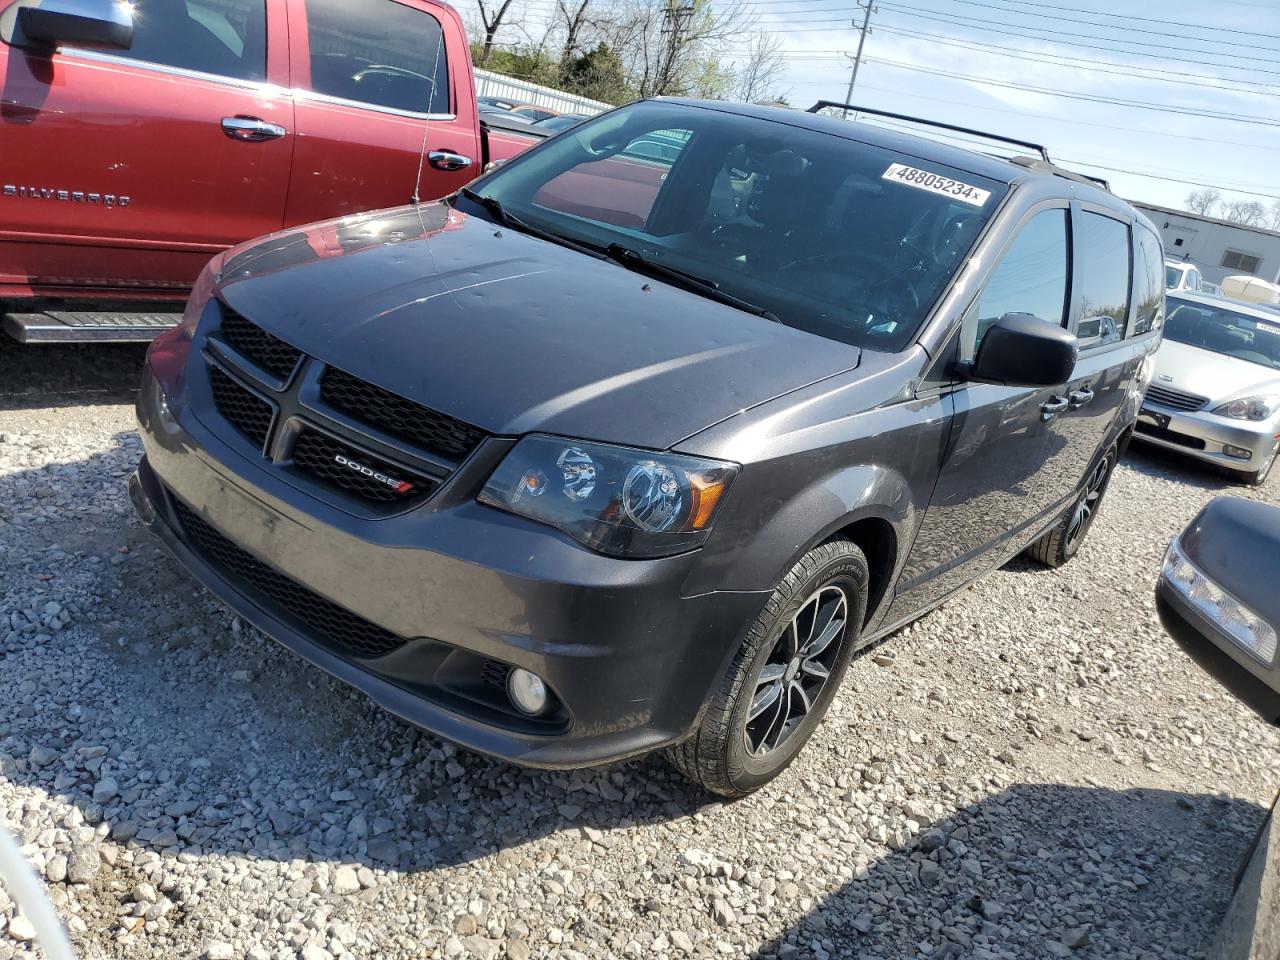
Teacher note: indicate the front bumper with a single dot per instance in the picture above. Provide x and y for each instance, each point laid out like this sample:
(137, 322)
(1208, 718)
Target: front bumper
(1204, 435)
(629, 658)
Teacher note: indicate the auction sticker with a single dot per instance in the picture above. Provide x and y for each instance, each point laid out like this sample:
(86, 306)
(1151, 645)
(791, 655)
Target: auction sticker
(935, 183)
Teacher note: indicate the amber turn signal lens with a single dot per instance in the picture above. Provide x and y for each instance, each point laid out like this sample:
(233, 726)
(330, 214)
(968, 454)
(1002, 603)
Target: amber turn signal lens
(705, 495)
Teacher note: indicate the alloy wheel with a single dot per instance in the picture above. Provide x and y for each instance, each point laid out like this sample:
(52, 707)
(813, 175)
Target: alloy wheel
(797, 670)
(1085, 509)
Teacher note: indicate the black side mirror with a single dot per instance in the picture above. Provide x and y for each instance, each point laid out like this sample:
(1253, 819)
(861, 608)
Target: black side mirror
(1022, 350)
(1217, 598)
(82, 23)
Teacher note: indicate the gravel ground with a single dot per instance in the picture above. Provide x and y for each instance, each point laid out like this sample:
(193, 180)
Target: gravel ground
(1033, 770)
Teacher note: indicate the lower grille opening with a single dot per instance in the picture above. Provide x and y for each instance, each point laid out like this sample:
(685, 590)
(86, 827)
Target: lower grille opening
(342, 466)
(332, 625)
(1169, 436)
(242, 408)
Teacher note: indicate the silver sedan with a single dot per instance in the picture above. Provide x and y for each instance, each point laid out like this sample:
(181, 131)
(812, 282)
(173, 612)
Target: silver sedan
(1216, 391)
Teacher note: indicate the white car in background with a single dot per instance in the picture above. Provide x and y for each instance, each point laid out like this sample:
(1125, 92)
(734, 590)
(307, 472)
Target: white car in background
(1179, 275)
(1216, 390)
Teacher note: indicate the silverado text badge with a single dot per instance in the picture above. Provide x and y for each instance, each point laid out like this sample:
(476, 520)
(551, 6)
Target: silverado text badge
(66, 196)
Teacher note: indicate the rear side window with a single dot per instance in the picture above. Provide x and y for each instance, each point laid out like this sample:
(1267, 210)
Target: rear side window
(227, 38)
(378, 52)
(1103, 261)
(1148, 288)
(1031, 276)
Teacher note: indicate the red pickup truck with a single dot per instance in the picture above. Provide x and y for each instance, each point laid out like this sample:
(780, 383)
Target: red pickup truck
(139, 139)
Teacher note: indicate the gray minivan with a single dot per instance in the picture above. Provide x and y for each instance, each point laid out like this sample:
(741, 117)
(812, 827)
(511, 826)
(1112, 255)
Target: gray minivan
(608, 453)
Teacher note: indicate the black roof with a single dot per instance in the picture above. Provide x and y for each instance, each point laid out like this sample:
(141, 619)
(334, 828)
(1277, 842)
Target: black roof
(983, 164)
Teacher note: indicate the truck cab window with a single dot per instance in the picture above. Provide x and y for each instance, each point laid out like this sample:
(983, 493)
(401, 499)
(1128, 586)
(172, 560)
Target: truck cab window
(227, 38)
(378, 52)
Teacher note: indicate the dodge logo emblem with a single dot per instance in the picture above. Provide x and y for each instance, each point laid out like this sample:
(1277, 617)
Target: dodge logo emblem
(399, 486)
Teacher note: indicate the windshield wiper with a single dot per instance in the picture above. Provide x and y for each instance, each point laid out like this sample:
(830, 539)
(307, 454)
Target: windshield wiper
(508, 219)
(635, 260)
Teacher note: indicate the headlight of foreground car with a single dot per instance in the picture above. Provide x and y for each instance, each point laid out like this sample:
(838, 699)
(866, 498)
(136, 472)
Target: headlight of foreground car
(1241, 624)
(1250, 408)
(617, 500)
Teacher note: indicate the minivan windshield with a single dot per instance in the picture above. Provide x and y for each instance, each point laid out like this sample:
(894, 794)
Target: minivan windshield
(1225, 331)
(840, 238)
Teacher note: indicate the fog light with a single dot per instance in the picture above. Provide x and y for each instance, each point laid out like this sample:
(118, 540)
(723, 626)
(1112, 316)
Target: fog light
(527, 691)
(1240, 453)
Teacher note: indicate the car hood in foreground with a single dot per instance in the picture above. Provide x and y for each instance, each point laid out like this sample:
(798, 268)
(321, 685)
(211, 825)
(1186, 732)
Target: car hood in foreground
(1216, 376)
(514, 334)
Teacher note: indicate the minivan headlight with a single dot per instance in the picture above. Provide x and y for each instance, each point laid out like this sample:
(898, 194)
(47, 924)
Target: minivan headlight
(617, 500)
(1249, 408)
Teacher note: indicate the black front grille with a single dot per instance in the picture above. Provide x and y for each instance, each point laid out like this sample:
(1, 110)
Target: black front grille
(267, 351)
(435, 432)
(333, 626)
(356, 472)
(1169, 436)
(1175, 398)
(243, 408)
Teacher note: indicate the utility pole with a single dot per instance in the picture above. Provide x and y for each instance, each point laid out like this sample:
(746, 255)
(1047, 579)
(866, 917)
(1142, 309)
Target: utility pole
(674, 18)
(870, 8)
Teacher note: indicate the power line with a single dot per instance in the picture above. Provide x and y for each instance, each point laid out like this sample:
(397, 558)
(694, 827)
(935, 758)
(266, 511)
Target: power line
(1079, 64)
(950, 102)
(1090, 23)
(1159, 20)
(1163, 58)
(1075, 95)
(870, 7)
(977, 22)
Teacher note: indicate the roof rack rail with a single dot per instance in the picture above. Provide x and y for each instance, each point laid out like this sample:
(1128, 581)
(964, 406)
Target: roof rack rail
(1034, 164)
(823, 104)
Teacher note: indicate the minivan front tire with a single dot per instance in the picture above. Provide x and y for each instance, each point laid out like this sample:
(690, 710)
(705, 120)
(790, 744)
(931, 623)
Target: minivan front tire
(783, 677)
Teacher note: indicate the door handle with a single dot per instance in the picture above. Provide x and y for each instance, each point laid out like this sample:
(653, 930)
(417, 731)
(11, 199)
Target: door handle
(1051, 408)
(448, 160)
(1080, 397)
(251, 129)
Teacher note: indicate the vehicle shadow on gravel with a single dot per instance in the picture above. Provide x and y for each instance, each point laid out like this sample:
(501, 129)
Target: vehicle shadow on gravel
(1170, 465)
(63, 374)
(1140, 864)
(132, 694)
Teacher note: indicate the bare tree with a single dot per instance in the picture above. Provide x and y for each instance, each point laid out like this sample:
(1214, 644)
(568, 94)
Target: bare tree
(1275, 214)
(575, 19)
(1202, 201)
(1249, 213)
(759, 74)
(491, 17)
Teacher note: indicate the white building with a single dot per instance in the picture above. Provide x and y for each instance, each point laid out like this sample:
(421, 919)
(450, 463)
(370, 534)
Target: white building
(1219, 248)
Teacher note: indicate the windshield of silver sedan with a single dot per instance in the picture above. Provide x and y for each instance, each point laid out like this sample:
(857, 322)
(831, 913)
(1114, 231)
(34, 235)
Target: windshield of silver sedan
(844, 239)
(1225, 331)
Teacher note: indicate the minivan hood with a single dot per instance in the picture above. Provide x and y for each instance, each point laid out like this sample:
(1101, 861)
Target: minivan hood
(1189, 369)
(515, 334)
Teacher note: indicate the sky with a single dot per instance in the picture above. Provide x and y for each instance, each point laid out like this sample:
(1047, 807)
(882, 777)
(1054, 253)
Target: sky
(1200, 80)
